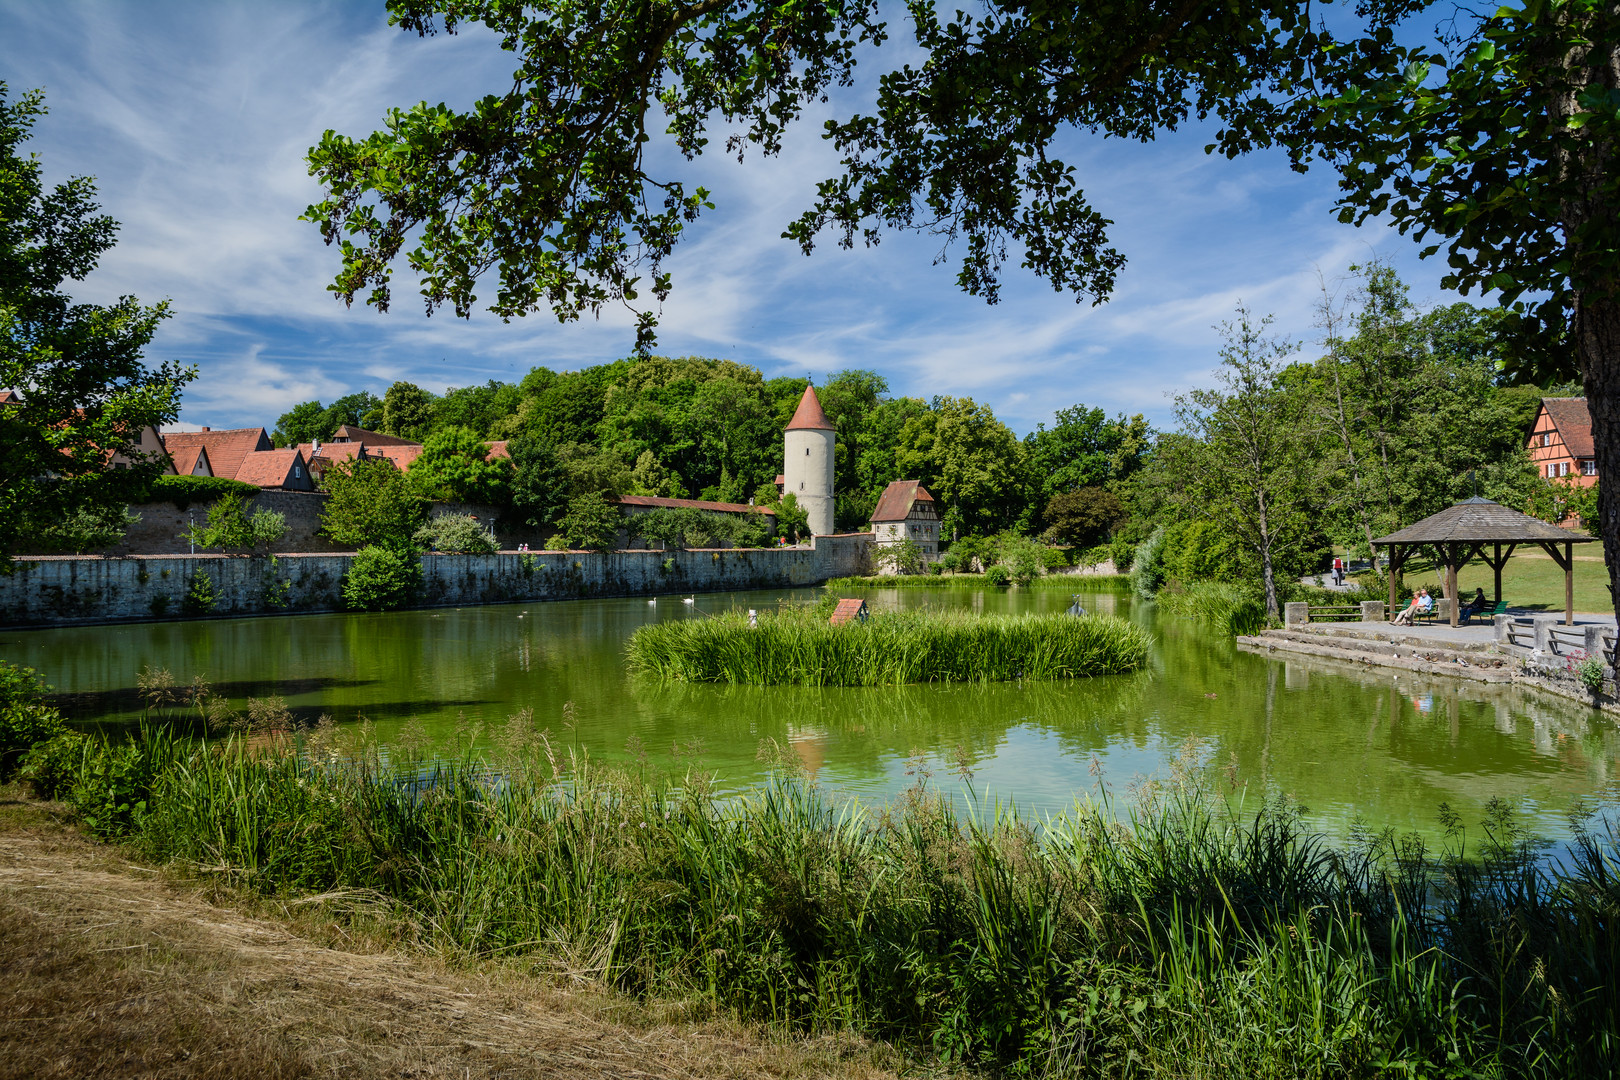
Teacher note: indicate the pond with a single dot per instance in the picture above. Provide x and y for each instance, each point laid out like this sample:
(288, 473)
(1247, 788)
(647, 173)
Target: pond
(1386, 747)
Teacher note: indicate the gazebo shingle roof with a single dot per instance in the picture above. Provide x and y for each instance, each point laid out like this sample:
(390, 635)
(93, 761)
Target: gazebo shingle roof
(1477, 519)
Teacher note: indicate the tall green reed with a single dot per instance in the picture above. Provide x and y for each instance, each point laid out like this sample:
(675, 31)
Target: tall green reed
(1186, 936)
(794, 646)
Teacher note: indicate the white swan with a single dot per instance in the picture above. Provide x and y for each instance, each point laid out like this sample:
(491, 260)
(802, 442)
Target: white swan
(689, 600)
(654, 600)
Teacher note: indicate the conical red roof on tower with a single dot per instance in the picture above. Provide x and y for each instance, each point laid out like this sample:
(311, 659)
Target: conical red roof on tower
(809, 414)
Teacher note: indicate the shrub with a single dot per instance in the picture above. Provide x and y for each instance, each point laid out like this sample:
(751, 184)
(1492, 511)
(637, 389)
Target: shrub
(1121, 551)
(87, 529)
(230, 526)
(999, 576)
(1147, 565)
(1023, 558)
(591, 522)
(52, 766)
(200, 598)
(111, 783)
(458, 534)
(370, 502)
(902, 558)
(381, 579)
(556, 542)
(182, 491)
(950, 561)
(24, 718)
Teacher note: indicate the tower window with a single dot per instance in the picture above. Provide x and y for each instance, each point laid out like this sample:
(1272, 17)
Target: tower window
(807, 451)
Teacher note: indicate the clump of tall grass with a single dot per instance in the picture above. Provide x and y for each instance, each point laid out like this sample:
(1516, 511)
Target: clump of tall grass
(1072, 582)
(1194, 937)
(889, 648)
(1229, 608)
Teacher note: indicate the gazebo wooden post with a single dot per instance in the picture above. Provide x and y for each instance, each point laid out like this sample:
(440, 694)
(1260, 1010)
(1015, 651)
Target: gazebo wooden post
(1496, 565)
(1394, 565)
(1569, 584)
(1451, 580)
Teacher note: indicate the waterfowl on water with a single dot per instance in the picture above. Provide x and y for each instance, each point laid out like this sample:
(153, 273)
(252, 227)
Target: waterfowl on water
(654, 600)
(689, 600)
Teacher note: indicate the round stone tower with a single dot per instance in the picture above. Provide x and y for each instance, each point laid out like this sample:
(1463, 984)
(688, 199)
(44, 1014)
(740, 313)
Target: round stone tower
(807, 462)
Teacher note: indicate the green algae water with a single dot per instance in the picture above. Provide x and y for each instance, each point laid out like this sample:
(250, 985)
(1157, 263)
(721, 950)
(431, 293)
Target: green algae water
(1383, 747)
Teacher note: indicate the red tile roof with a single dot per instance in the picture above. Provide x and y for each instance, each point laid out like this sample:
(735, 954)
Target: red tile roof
(497, 448)
(184, 459)
(1574, 423)
(350, 433)
(895, 502)
(269, 468)
(692, 504)
(226, 449)
(809, 414)
(332, 451)
(8, 396)
(402, 455)
(847, 611)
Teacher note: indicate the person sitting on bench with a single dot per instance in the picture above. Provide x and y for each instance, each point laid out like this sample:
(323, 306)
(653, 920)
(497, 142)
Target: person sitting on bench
(1474, 606)
(1420, 605)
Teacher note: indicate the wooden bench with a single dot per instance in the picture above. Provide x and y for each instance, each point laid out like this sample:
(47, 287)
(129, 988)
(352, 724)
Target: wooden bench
(1500, 608)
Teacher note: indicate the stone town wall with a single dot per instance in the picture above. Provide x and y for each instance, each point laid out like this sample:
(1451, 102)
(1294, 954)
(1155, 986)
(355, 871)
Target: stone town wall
(161, 525)
(61, 590)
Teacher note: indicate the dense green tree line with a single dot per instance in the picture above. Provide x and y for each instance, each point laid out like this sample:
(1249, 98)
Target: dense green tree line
(712, 429)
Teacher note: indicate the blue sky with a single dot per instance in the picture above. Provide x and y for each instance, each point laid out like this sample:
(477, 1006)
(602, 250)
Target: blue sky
(194, 118)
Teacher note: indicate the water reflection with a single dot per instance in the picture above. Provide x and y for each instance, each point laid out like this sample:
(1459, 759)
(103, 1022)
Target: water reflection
(1342, 739)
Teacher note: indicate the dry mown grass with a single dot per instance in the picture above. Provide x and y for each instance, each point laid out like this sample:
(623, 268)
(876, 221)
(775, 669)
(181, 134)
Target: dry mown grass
(111, 970)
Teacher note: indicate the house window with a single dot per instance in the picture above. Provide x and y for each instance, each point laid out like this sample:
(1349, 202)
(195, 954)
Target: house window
(298, 472)
(1589, 467)
(1546, 438)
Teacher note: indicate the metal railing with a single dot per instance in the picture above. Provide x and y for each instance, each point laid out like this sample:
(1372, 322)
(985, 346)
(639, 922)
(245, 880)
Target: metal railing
(1335, 612)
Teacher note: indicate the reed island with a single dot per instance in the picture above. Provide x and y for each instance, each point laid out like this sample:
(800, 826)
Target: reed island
(800, 646)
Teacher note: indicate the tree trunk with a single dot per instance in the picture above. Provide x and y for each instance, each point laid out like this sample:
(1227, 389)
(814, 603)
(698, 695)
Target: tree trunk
(1597, 339)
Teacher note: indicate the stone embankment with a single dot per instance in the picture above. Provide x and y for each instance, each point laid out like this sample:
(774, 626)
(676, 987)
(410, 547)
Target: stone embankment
(60, 590)
(1479, 661)
(1494, 660)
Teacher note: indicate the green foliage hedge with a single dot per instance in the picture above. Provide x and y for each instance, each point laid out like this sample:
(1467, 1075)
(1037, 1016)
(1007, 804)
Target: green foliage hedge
(182, 491)
(800, 646)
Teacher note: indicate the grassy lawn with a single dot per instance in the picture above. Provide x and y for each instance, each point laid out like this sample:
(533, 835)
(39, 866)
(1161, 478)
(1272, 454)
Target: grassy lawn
(1527, 581)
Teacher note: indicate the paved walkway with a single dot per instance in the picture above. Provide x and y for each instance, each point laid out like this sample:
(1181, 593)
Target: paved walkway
(1477, 631)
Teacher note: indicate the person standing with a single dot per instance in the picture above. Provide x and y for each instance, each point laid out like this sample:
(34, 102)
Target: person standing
(1338, 571)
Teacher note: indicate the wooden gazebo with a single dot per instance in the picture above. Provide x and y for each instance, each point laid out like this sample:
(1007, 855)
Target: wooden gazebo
(1461, 531)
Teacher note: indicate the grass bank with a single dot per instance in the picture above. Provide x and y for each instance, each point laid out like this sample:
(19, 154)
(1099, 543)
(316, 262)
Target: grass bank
(1198, 938)
(889, 648)
(116, 969)
(1071, 582)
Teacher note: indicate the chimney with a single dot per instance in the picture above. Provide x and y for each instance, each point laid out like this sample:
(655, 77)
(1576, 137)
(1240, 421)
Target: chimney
(208, 429)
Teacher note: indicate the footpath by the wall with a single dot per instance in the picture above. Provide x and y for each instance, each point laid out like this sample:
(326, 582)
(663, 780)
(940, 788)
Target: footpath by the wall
(62, 590)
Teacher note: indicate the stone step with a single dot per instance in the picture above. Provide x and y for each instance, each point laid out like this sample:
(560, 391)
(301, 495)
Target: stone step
(1403, 645)
(1478, 667)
